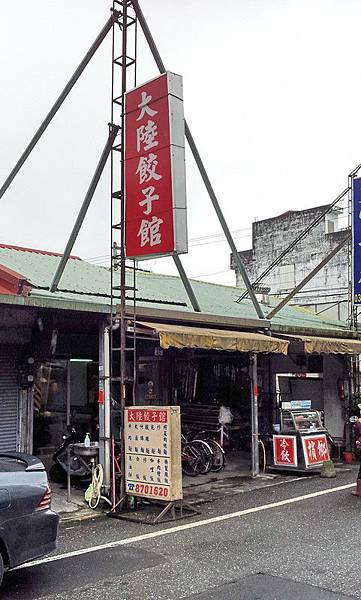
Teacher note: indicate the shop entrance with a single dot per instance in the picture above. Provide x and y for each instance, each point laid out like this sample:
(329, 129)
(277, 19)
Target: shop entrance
(213, 389)
(65, 391)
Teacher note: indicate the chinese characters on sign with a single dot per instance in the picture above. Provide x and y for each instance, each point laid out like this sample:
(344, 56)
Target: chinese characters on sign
(357, 241)
(155, 196)
(285, 450)
(153, 452)
(315, 449)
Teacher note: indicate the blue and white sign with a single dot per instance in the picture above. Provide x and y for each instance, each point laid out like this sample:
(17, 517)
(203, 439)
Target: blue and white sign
(357, 240)
(303, 404)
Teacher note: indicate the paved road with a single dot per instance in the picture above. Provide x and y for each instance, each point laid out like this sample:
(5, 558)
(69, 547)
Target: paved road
(299, 547)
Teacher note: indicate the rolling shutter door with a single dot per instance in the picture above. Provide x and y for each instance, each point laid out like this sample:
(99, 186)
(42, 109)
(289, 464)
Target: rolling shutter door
(8, 398)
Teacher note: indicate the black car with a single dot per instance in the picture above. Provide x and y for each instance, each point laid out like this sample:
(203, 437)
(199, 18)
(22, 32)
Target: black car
(28, 527)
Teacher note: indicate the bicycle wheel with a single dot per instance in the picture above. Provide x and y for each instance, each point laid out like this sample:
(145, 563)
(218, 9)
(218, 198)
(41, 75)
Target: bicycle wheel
(219, 459)
(207, 453)
(192, 460)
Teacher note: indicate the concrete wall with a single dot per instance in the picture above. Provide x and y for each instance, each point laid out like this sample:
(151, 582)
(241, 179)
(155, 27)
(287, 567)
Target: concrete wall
(271, 236)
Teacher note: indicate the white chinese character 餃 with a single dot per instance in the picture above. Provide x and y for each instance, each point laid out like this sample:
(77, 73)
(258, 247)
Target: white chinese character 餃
(285, 456)
(144, 108)
(146, 168)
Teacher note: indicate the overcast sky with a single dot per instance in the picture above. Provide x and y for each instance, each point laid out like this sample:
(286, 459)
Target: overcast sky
(272, 95)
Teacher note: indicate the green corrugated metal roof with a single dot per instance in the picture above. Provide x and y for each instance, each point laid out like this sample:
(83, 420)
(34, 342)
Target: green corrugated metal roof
(81, 279)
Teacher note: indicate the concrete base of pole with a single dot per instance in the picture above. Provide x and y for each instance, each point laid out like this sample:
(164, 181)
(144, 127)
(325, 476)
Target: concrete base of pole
(328, 469)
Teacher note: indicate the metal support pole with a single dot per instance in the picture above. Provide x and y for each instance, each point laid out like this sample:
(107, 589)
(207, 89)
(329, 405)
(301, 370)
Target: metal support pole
(186, 283)
(93, 48)
(107, 400)
(200, 165)
(254, 414)
(84, 208)
(314, 272)
(222, 221)
(68, 401)
(104, 404)
(124, 24)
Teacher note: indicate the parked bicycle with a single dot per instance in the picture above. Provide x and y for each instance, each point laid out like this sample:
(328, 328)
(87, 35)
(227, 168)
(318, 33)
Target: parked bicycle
(192, 459)
(211, 451)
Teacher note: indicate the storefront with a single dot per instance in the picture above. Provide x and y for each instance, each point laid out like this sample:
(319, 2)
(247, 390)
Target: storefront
(208, 373)
(204, 369)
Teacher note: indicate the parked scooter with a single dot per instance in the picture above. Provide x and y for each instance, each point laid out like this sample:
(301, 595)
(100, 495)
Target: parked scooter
(58, 472)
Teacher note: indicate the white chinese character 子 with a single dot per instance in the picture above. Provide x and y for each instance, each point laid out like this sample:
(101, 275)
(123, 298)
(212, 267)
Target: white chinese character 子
(150, 196)
(149, 232)
(146, 168)
(311, 450)
(146, 134)
(144, 108)
(322, 449)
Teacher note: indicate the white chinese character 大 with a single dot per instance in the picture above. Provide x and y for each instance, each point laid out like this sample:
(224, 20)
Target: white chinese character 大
(149, 232)
(146, 168)
(146, 134)
(150, 196)
(144, 108)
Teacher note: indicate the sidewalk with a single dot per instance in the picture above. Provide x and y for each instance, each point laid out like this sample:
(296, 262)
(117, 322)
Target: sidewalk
(234, 479)
(77, 509)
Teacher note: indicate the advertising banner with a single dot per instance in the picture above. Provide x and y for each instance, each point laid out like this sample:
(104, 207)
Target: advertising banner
(155, 189)
(153, 466)
(357, 241)
(285, 450)
(315, 449)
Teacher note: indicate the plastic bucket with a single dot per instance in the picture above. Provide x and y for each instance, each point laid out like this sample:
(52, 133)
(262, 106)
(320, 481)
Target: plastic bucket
(347, 457)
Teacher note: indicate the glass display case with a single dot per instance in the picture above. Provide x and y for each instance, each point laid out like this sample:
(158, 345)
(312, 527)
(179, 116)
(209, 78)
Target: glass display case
(301, 420)
(301, 444)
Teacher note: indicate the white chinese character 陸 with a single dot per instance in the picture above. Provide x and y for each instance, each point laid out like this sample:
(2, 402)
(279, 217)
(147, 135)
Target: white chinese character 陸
(144, 108)
(149, 232)
(150, 196)
(146, 168)
(146, 134)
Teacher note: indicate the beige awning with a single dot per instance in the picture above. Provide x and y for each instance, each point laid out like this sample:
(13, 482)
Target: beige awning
(324, 345)
(181, 336)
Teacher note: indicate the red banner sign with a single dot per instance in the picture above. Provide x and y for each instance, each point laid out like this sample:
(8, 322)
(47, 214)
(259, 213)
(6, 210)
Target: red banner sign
(155, 209)
(285, 450)
(315, 449)
(147, 416)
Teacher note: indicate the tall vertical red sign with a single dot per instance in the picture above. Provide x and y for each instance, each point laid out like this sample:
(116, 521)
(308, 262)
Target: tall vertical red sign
(155, 193)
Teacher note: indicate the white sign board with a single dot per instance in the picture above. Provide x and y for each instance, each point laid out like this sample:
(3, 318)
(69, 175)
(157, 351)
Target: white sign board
(153, 466)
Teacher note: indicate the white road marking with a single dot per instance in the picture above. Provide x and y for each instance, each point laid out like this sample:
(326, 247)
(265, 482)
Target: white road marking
(193, 525)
